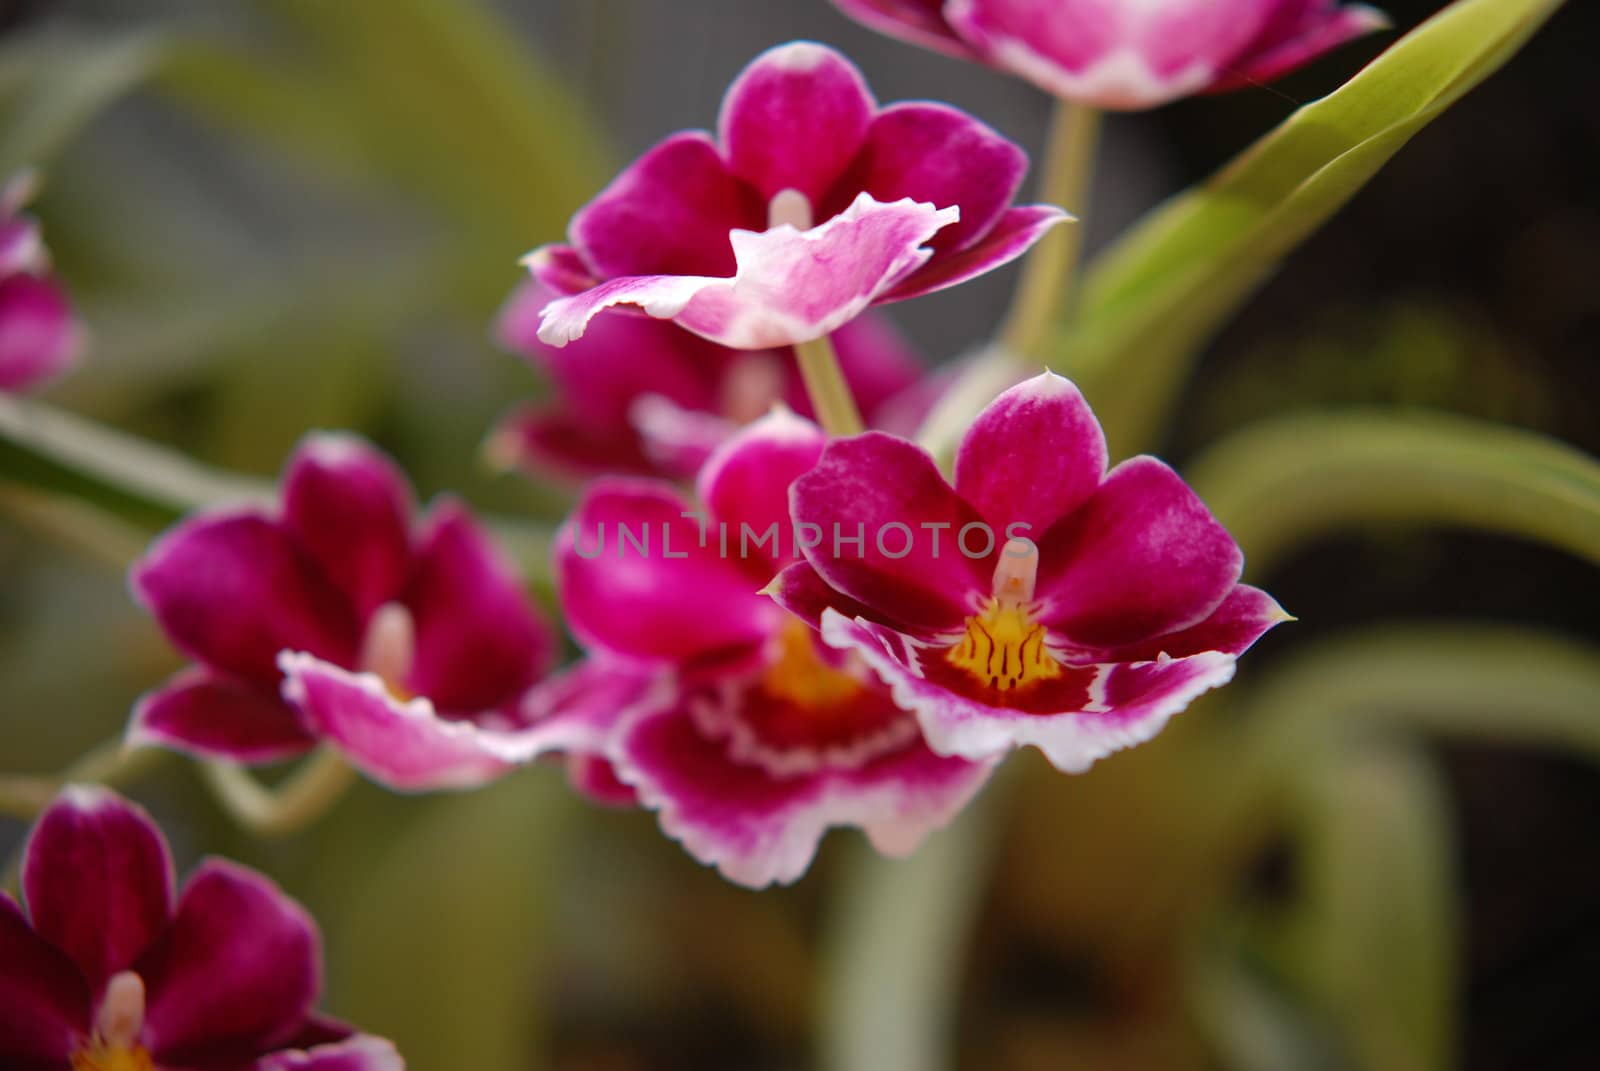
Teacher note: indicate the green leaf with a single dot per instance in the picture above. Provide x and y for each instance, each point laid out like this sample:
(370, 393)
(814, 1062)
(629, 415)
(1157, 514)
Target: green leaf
(443, 909)
(1280, 483)
(51, 85)
(1154, 300)
(53, 464)
(51, 451)
(895, 947)
(437, 98)
(1380, 889)
(1473, 681)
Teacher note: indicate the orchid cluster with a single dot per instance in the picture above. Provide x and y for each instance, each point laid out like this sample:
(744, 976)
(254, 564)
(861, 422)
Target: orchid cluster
(826, 631)
(790, 618)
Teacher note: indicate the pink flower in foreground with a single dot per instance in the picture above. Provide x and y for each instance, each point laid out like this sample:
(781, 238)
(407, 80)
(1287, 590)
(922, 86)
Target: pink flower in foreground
(334, 618)
(110, 971)
(1126, 54)
(1042, 600)
(745, 734)
(811, 204)
(639, 396)
(39, 336)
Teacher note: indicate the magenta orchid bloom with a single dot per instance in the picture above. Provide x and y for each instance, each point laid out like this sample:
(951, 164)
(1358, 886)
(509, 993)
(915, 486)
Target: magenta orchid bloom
(746, 735)
(811, 204)
(110, 971)
(642, 397)
(1042, 600)
(39, 336)
(1126, 54)
(334, 619)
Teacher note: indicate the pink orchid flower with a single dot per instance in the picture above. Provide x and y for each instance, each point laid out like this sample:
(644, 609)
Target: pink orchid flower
(39, 336)
(811, 204)
(406, 646)
(1126, 54)
(109, 970)
(1041, 600)
(641, 397)
(746, 735)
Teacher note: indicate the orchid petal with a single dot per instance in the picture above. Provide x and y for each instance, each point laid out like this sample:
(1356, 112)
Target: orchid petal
(207, 715)
(789, 286)
(98, 880)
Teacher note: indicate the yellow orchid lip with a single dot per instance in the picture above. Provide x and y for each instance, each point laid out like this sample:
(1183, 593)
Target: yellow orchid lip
(1004, 648)
(800, 676)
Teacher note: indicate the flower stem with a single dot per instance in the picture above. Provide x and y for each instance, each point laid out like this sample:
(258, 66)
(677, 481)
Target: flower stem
(303, 797)
(1046, 288)
(830, 394)
(111, 763)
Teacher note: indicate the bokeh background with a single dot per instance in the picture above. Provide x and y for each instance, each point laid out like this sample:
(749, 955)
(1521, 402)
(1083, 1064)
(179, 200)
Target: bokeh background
(304, 213)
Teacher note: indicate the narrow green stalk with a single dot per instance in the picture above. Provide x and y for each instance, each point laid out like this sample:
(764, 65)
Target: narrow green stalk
(895, 946)
(830, 394)
(1045, 293)
(277, 812)
(111, 763)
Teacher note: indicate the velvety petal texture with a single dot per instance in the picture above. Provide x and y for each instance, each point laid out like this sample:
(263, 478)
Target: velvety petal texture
(788, 285)
(345, 578)
(235, 973)
(40, 337)
(637, 396)
(1087, 609)
(759, 829)
(98, 881)
(708, 702)
(1126, 54)
(44, 999)
(223, 979)
(810, 205)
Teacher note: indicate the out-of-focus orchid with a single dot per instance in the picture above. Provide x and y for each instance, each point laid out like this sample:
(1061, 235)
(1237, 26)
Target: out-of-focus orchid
(333, 618)
(39, 336)
(747, 735)
(811, 204)
(641, 397)
(110, 971)
(1126, 54)
(1042, 600)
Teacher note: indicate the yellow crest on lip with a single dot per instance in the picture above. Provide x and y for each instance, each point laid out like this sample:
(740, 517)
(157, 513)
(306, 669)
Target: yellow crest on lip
(800, 676)
(1004, 648)
(100, 1056)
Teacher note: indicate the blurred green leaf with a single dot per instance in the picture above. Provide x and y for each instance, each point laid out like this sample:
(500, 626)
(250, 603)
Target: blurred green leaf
(52, 84)
(443, 922)
(1252, 1020)
(56, 463)
(1375, 945)
(55, 452)
(899, 937)
(438, 98)
(1482, 682)
(1155, 298)
(1280, 483)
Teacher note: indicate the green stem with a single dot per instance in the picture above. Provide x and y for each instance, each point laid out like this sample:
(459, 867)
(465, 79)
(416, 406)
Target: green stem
(304, 797)
(830, 394)
(111, 763)
(1045, 293)
(896, 946)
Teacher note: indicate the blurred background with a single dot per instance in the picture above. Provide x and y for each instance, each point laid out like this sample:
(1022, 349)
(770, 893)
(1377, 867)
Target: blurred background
(279, 215)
